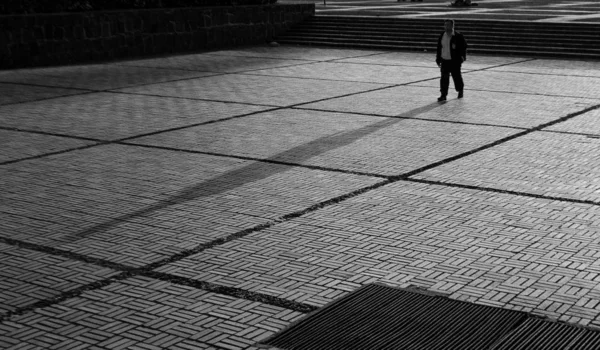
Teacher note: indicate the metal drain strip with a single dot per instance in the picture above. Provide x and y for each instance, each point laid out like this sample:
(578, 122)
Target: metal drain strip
(539, 334)
(381, 317)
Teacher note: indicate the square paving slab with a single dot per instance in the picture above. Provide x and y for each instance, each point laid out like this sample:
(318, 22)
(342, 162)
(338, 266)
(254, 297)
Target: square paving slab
(296, 52)
(427, 59)
(15, 145)
(368, 73)
(545, 164)
(478, 107)
(549, 85)
(377, 145)
(141, 313)
(587, 123)
(29, 276)
(136, 205)
(265, 90)
(516, 252)
(213, 63)
(17, 93)
(554, 67)
(95, 77)
(111, 116)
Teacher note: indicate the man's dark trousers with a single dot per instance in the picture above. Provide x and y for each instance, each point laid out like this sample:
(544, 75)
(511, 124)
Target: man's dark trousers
(450, 67)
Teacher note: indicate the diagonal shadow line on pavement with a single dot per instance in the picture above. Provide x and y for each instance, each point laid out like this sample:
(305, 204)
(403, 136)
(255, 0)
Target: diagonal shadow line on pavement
(253, 172)
(411, 117)
(314, 167)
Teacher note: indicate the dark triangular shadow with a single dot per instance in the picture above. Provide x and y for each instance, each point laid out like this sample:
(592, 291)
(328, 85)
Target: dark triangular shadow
(253, 172)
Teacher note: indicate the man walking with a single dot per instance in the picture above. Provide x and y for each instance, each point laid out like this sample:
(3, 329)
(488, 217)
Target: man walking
(451, 53)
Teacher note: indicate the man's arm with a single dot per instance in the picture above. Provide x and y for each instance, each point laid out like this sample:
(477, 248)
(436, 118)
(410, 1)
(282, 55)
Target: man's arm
(438, 55)
(465, 46)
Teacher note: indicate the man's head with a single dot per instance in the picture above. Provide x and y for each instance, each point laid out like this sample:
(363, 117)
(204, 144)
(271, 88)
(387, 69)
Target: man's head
(449, 25)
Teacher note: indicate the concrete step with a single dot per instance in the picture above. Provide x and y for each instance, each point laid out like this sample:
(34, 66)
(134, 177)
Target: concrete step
(498, 37)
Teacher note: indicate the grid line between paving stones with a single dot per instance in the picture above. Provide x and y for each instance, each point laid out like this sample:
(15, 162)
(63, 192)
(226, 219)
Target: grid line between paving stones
(505, 290)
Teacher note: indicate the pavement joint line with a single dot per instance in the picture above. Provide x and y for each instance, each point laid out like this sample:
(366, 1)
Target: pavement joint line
(262, 160)
(124, 140)
(190, 98)
(232, 291)
(310, 78)
(53, 153)
(50, 134)
(409, 118)
(497, 190)
(284, 218)
(65, 254)
(389, 86)
(592, 136)
(47, 98)
(497, 142)
(84, 90)
(73, 293)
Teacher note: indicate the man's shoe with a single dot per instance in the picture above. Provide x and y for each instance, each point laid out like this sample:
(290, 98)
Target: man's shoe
(442, 98)
(460, 94)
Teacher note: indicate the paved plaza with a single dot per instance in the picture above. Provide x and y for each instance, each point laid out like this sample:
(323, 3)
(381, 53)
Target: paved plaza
(209, 200)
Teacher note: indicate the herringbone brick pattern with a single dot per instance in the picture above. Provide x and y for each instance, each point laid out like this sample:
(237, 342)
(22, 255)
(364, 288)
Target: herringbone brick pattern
(141, 313)
(381, 146)
(555, 159)
(96, 77)
(14, 145)
(501, 108)
(16, 93)
(136, 205)
(215, 63)
(255, 89)
(495, 249)
(207, 201)
(30, 276)
(100, 116)
(388, 74)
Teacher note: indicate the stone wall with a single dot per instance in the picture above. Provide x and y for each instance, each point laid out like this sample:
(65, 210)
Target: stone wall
(64, 38)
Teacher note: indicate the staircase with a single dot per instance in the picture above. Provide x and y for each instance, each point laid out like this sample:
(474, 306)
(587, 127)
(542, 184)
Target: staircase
(561, 40)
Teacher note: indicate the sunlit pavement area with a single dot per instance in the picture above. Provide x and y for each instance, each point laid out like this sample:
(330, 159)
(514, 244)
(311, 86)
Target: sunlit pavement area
(573, 11)
(210, 200)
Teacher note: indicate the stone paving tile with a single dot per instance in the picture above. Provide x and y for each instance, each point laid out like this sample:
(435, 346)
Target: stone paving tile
(427, 59)
(490, 248)
(134, 205)
(557, 67)
(16, 93)
(95, 77)
(548, 164)
(587, 123)
(548, 85)
(385, 146)
(213, 63)
(29, 276)
(111, 116)
(15, 145)
(142, 313)
(273, 91)
(355, 72)
(295, 52)
(500, 108)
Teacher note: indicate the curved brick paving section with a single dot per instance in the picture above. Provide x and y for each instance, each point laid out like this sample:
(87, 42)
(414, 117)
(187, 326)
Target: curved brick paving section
(207, 201)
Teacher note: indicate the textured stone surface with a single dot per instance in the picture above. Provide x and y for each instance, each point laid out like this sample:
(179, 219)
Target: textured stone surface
(181, 211)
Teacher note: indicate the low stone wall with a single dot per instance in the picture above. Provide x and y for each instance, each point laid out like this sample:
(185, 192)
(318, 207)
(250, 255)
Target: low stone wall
(51, 39)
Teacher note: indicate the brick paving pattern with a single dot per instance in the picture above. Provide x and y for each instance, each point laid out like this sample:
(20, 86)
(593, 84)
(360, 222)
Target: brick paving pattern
(207, 201)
